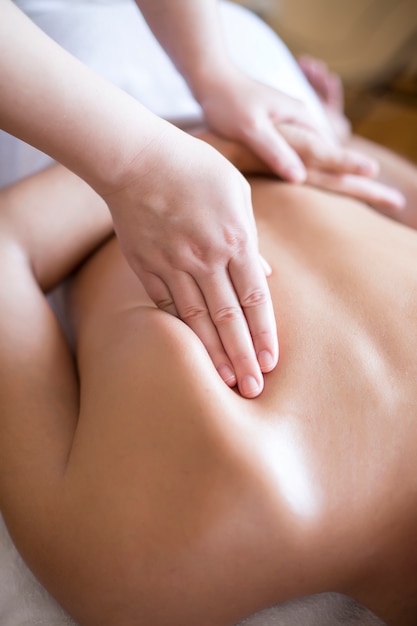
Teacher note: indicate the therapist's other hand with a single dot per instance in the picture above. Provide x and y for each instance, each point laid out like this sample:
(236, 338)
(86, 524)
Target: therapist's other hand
(334, 167)
(184, 219)
(244, 110)
(329, 166)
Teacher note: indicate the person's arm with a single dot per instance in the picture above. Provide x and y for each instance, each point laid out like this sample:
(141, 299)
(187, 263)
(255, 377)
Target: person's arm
(182, 212)
(55, 103)
(56, 220)
(234, 105)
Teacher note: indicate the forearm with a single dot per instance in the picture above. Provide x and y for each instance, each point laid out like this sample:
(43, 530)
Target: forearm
(54, 102)
(159, 184)
(190, 32)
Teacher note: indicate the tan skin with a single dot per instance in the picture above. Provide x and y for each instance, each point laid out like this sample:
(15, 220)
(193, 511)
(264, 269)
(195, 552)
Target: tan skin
(140, 489)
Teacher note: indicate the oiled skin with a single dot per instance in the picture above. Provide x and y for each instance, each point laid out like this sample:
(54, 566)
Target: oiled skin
(162, 497)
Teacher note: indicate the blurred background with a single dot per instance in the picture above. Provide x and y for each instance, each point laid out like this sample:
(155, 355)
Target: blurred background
(372, 45)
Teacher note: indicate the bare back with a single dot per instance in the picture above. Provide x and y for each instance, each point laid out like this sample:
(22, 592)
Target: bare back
(246, 503)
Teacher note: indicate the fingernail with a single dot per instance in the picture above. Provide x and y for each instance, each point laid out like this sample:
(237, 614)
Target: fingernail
(228, 375)
(266, 361)
(250, 387)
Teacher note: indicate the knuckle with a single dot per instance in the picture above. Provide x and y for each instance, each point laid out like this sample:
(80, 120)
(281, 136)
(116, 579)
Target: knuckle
(264, 337)
(242, 361)
(235, 238)
(197, 253)
(255, 297)
(164, 303)
(233, 243)
(251, 125)
(193, 312)
(227, 314)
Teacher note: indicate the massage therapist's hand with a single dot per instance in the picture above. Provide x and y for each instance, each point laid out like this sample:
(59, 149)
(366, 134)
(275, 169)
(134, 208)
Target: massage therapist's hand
(244, 110)
(335, 167)
(182, 212)
(286, 141)
(235, 106)
(183, 216)
(329, 166)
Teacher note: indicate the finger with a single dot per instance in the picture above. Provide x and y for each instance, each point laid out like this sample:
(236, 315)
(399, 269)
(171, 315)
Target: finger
(158, 292)
(372, 192)
(351, 162)
(320, 153)
(232, 327)
(193, 310)
(254, 297)
(341, 160)
(268, 144)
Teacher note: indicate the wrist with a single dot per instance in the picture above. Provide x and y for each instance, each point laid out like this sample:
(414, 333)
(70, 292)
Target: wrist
(148, 157)
(124, 145)
(210, 76)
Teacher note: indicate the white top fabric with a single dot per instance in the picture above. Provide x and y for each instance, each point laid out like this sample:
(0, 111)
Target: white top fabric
(112, 37)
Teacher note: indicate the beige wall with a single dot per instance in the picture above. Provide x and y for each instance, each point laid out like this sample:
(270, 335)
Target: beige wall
(361, 39)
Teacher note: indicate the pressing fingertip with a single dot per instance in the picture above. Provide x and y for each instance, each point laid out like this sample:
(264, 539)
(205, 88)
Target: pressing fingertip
(249, 387)
(266, 361)
(227, 374)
